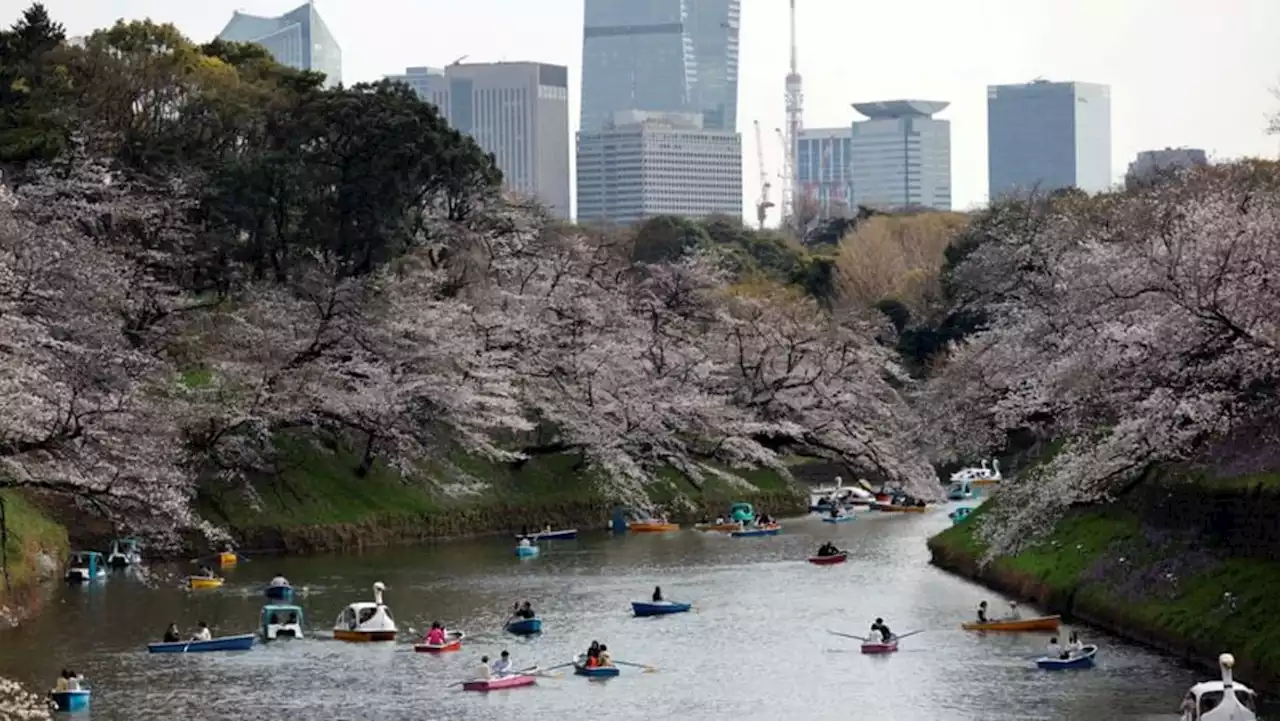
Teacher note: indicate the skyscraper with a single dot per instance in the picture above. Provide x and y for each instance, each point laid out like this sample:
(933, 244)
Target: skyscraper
(517, 111)
(1045, 136)
(901, 155)
(824, 168)
(646, 164)
(298, 38)
(660, 55)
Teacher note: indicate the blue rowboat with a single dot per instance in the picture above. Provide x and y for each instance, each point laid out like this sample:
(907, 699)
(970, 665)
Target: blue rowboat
(580, 668)
(837, 519)
(279, 593)
(1084, 659)
(525, 626)
(567, 534)
(960, 514)
(243, 642)
(751, 532)
(661, 608)
(68, 701)
(526, 551)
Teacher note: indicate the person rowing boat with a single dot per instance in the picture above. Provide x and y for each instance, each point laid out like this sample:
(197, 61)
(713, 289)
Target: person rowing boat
(827, 550)
(982, 612)
(885, 634)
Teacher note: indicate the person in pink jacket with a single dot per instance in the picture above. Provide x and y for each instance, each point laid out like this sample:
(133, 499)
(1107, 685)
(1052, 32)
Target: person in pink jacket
(436, 636)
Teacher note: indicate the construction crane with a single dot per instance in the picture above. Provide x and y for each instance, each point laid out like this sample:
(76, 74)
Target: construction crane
(763, 204)
(795, 124)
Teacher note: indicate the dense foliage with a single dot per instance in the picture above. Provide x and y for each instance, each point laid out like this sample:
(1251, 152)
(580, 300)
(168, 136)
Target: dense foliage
(202, 250)
(1135, 328)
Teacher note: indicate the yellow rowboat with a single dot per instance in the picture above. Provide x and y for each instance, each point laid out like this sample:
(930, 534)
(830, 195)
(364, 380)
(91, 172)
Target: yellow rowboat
(227, 559)
(652, 527)
(201, 582)
(1041, 623)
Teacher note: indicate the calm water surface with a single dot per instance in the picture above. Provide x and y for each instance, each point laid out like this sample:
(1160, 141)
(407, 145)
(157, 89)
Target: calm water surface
(755, 644)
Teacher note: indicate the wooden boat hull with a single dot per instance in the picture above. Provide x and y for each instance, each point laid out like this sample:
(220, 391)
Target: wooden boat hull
(344, 634)
(1086, 659)
(526, 551)
(718, 527)
(71, 701)
(279, 593)
(580, 669)
(567, 534)
(644, 608)
(453, 642)
(525, 626)
(243, 642)
(889, 647)
(829, 560)
(985, 482)
(500, 682)
(653, 527)
(753, 532)
(891, 508)
(837, 519)
(197, 582)
(1040, 623)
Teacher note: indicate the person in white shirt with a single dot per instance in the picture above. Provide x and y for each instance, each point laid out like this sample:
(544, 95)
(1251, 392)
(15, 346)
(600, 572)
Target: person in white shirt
(73, 681)
(279, 580)
(202, 633)
(1053, 650)
(502, 666)
(1074, 646)
(1013, 611)
(482, 670)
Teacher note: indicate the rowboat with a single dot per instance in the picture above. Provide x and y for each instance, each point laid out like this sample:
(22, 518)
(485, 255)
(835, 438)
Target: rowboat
(829, 560)
(497, 683)
(837, 519)
(243, 642)
(960, 514)
(652, 527)
(1040, 623)
(661, 608)
(279, 593)
(227, 559)
(526, 551)
(198, 582)
(878, 647)
(580, 668)
(525, 626)
(70, 701)
(1084, 659)
(452, 642)
(718, 527)
(894, 508)
(567, 534)
(770, 530)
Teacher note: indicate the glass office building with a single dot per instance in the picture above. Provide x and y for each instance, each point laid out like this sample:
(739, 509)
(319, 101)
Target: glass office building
(824, 169)
(298, 38)
(901, 156)
(1043, 136)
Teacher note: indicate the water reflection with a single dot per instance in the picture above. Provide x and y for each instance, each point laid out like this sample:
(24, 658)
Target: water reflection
(755, 643)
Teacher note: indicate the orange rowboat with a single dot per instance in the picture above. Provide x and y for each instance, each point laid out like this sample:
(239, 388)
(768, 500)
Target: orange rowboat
(899, 509)
(1042, 623)
(652, 527)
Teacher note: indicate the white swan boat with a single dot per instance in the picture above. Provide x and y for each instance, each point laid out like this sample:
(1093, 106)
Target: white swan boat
(364, 621)
(1224, 700)
(125, 552)
(980, 475)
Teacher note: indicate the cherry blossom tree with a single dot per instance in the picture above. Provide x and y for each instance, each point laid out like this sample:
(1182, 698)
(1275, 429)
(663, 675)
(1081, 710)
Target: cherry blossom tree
(1134, 328)
(18, 704)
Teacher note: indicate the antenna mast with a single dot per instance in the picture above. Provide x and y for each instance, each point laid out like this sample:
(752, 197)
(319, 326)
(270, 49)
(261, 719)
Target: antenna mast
(795, 123)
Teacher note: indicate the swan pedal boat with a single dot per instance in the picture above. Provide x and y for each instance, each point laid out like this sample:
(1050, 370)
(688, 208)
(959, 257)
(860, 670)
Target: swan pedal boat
(453, 642)
(71, 701)
(837, 519)
(366, 622)
(201, 582)
(652, 526)
(1040, 623)
(889, 646)
(769, 530)
(242, 642)
(525, 626)
(840, 557)
(497, 683)
(1234, 700)
(580, 668)
(1084, 659)
(660, 608)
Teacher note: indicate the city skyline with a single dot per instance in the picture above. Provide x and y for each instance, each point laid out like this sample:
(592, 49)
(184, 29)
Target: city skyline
(1131, 47)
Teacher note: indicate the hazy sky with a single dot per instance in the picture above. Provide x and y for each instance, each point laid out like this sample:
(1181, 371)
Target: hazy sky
(1182, 72)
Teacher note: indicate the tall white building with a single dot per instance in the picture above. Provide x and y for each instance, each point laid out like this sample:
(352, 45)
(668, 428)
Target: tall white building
(901, 155)
(1044, 136)
(824, 169)
(645, 164)
(517, 111)
(1151, 163)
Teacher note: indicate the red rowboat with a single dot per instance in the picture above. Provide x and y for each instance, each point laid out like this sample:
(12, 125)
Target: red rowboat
(877, 647)
(499, 682)
(829, 560)
(453, 642)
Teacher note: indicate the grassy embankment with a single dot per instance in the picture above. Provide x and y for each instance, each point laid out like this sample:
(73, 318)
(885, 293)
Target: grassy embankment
(1121, 567)
(29, 534)
(319, 503)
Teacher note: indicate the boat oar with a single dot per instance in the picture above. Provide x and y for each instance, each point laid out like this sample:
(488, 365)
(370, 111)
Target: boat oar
(646, 668)
(909, 634)
(848, 635)
(536, 673)
(563, 665)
